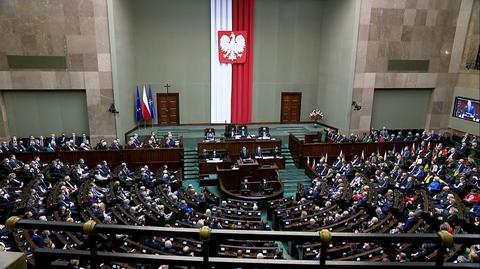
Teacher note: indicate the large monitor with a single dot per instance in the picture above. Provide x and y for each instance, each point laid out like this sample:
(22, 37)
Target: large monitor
(467, 109)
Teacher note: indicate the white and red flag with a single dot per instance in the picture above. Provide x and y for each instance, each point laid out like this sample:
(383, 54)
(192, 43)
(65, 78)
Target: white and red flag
(231, 65)
(146, 113)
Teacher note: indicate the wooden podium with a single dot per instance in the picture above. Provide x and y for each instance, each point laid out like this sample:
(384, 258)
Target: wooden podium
(231, 178)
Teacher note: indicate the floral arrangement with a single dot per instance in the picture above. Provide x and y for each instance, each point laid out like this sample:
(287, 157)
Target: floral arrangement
(316, 115)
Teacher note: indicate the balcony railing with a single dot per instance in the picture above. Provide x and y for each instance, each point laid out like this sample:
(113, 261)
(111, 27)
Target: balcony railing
(44, 257)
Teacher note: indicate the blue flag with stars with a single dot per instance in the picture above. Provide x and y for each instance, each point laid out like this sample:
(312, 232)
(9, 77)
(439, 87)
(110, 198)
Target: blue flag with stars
(138, 108)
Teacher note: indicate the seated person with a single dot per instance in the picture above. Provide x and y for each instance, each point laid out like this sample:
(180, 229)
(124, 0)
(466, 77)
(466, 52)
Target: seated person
(116, 145)
(277, 153)
(102, 145)
(243, 132)
(244, 154)
(209, 134)
(264, 132)
(265, 187)
(205, 154)
(170, 142)
(125, 174)
(245, 188)
(258, 151)
(231, 132)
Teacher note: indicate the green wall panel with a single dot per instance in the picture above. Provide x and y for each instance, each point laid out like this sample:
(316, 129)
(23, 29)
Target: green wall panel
(408, 65)
(37, 62)
(45, 112)
(400, 108)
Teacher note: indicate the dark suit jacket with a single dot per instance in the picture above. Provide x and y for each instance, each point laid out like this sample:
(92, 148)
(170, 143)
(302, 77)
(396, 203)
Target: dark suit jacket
(244, 155)
(243, 132)
(263, 134)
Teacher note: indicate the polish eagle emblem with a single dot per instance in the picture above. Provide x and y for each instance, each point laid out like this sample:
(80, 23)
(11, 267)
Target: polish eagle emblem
(232, 46)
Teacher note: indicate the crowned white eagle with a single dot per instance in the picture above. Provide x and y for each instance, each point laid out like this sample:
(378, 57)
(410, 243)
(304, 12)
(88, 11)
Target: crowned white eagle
(233, 46)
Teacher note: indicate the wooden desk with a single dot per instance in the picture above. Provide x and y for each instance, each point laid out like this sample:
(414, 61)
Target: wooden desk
(134, 158)
(266, 160)
(209, 166)
(234, 146)
(300, 150)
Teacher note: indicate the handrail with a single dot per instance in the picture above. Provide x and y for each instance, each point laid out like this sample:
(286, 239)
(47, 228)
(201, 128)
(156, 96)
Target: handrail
(44, 255)
(206, 235)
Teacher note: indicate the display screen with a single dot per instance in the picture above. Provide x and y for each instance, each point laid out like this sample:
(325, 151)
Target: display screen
(467, 109)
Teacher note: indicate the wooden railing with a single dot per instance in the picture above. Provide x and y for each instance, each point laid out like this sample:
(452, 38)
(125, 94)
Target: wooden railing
(132, 157)
(300, 150)
(44, 257)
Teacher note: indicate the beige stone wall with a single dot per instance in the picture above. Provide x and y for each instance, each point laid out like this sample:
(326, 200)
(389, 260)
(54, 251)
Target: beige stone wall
(431, 30)
(77, 29)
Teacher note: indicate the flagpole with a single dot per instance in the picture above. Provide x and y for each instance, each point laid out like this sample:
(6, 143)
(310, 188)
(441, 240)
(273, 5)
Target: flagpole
(143, 92)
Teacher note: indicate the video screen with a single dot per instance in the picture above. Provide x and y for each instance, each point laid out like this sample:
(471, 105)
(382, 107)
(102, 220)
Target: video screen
(467, 109)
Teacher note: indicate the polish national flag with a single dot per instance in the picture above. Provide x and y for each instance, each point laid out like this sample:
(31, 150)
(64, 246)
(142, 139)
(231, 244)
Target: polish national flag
(147, 115)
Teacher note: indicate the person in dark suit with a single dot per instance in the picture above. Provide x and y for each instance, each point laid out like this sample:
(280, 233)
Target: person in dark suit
(245, 188)
(277, 153)
(264, 132)
(136, 141)
(231, 133)
(6, 167)
(243, 132)
(469, 110)
(153, 243)
(463, 149)
(4, 148)
(116, 145)
(68, 147)
(125, 174)
(33, 147)
(265, 187)
(244, 154)
(170, 143)
(102, 145)
(62, 140)
(258, 151)
(312, 225)
(19, 147)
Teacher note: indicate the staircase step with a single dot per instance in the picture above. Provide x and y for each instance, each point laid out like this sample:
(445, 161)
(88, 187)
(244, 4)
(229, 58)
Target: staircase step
(191, 164)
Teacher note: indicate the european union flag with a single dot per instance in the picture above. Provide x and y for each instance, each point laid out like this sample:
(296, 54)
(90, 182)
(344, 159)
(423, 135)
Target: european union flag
(138, 108)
